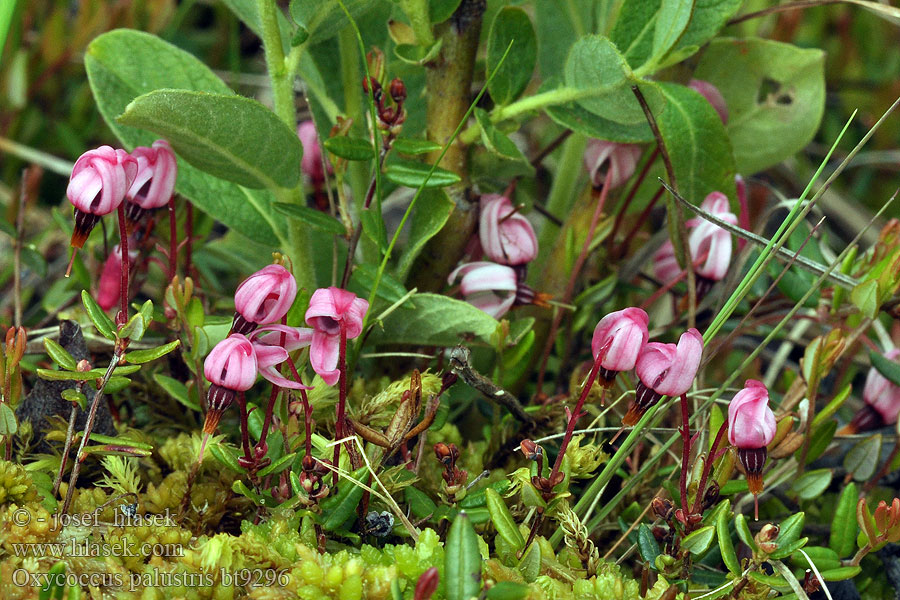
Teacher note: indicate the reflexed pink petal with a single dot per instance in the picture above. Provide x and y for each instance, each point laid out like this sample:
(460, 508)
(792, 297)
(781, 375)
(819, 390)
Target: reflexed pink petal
(267, 295)
(669, 369)
(294, 337)
(611, 163)
(506, 238)
(323, 356)
(712, 95)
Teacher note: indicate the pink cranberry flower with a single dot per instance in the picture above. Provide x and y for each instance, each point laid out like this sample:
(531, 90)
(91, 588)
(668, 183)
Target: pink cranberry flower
(711, 241)
(154, 183)
(97, 187)
(664, 370)
(881, 394)
(712, 95)
(230, 367)
(311, 163)
(621, 336)
(263, 298)
(751, 423)
(506, 236)
(271, 351)
(882, 401)
(110, 284)
(332, 311)
(487, 286)
(610, 163)
(708, 244)
(751, 427)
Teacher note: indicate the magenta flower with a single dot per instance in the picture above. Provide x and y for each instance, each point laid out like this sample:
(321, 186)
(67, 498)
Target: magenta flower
(231, 368)
(881, 394)
(506, 236)
(271, 351)
(332, 311)
(712, 95)
(751, 427)
(97, 187)
(711, 241)
(110, 284)
(664, 370)
(610, 163)
(751, 423)
(154, 183)
(263, 298)
(709, 247)
(882, 401)
(487, 286)
(620, 336)
(311, 163)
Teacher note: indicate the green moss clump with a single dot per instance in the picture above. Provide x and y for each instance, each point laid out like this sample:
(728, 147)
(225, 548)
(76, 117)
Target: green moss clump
(15, 484)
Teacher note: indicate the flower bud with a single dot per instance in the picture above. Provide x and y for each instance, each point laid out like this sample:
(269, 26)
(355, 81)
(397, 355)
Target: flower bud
(751, 426)
(398, 91)
(427, 584)
(110, 283)
(881, 397)
(230, 367)
(311, 163)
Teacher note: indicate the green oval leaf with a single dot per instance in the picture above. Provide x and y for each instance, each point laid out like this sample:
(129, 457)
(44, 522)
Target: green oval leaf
(743, 531)
(278, 466)
(648, 545)
(843, 526)
(414, 146)
(462, 560)
(8, 423)
(775, 93)
(139, 357)
(812, 483)
(350, 148)
(52, 375)
(726, 546)
(789, 529)
(101, 321)
(700, 540)
(503, 520)
(885, 366)
(231, 137)
(436, 320)
(176, 389)
(508, 590)
(339, 509)
(841, 573)
(73, 395)
(530, 565)
(224, 455)
(415, 175)
(59, 355)
(511, 24)
(312, 217)
(864, 457)
(419, 503)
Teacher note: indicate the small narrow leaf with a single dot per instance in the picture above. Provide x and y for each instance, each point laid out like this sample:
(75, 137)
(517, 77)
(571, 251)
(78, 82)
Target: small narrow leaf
(863, 458)
(885, 366)
(341, 508)
(726, 546)
(176, 389)
(312, 217)
(8, 423)
(699, 541)
(144, 356)
(503, 520)
(59, 355)
(278, 466)
(101, 321)
(415, 174)
(462, 560)
(843, 526)
(350, 148)
(414, 146)
(648, 545)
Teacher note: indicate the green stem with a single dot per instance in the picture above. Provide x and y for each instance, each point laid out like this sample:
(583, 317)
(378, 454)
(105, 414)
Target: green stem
(562, 95)
(281, 78)
(417, 13)
(282, 86)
